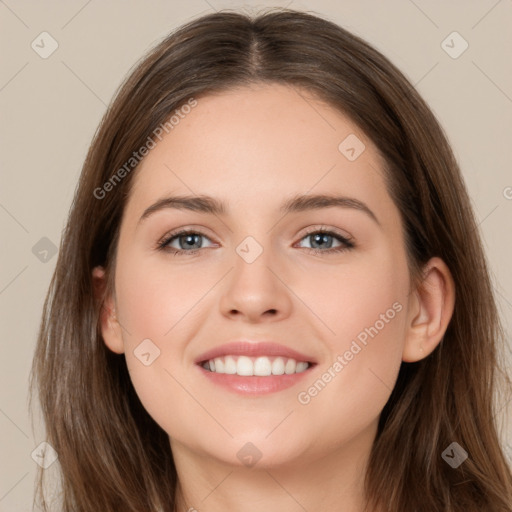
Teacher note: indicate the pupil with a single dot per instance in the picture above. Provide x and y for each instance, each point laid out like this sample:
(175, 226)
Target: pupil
(190, 240)
(319, 237)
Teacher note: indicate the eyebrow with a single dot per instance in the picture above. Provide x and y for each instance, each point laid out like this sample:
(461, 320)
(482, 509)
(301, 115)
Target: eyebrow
(297, 203)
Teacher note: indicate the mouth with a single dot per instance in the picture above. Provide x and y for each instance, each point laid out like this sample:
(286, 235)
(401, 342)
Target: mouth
(261, 366)
(254, 368)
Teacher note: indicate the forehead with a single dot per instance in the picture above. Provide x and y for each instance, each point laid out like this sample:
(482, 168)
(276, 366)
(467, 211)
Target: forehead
(260, 142)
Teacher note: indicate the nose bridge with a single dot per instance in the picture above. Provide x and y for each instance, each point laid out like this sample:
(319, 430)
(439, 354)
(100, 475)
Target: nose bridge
(253, 288)
(252, 262)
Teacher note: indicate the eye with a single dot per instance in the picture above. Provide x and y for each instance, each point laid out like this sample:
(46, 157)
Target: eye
(322, 240)
(185, 239)
(189, 242)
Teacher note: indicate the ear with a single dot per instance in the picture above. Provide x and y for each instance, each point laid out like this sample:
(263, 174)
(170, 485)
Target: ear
(110, 327)
(430, 310)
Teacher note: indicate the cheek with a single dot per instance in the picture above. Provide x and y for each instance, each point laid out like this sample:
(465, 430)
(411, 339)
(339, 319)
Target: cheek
(154, 297)
(366, 349)
(156, 304)
(363, 298)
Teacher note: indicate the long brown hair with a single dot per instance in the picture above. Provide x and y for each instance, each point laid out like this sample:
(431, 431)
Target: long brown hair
(112, 454)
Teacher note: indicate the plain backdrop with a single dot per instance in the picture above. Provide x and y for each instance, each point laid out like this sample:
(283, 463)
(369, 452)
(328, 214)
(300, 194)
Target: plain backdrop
(50, 108)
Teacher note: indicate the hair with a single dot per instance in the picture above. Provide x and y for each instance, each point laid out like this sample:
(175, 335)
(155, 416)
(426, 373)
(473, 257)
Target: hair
(112, 455)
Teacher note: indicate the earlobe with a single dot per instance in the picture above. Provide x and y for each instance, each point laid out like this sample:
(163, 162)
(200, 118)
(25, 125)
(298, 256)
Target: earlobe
(109, 325)
(431, 309)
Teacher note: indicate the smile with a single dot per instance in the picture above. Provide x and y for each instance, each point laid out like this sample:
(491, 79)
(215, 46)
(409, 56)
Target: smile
(254, 376)
(261, 366)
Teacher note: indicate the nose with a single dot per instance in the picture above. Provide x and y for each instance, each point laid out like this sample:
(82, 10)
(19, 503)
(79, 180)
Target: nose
(256, 291)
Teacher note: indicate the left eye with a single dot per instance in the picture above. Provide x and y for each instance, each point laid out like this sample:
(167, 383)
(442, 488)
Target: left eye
(190, 242)
(324, 239)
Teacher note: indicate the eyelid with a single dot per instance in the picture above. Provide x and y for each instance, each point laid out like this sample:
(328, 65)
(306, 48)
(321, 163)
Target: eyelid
(327, 229)
(345, 239)
(182, 231)
(199, 231)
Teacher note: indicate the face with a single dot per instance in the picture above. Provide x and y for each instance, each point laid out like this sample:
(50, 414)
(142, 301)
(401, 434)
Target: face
(327, 280)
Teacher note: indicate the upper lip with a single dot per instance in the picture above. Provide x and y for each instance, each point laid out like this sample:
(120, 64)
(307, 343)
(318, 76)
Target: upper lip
(253, 349)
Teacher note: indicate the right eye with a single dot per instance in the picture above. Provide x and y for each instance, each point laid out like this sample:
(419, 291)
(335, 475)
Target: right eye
(186, 239)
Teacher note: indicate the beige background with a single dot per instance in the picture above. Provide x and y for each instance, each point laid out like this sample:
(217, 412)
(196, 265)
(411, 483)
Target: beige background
(51, 107)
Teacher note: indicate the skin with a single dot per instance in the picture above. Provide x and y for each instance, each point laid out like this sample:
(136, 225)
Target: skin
(254, 147)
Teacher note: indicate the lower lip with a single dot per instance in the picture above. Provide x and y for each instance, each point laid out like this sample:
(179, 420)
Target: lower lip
(255, 385)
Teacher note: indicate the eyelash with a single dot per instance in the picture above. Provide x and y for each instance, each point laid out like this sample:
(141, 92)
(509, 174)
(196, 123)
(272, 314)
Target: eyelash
(163, 245)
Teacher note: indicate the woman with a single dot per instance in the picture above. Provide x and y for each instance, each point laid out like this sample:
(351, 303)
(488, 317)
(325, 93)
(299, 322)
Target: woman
(253, 371)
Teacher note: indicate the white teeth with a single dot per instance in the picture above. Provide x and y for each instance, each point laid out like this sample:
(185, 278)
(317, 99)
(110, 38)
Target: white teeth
(244, 366)
(229, 365)
(301, 366)
(261, 366)
(290, 367)
(278, 366)
(219, 365)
